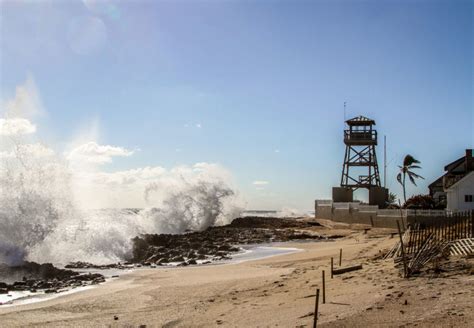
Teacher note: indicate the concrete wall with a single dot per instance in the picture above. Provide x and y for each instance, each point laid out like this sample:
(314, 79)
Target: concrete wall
(372, 216)
(378, 196)
(340, 194)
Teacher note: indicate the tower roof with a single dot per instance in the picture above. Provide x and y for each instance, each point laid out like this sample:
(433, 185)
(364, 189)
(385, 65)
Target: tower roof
(360, 120)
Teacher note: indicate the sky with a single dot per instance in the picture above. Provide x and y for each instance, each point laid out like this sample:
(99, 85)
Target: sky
(255, 88)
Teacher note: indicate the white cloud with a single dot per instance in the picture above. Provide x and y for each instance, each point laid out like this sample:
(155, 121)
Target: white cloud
(127, 177)
(196, 125)
(260, 183)
(16, 126)
(92, 152)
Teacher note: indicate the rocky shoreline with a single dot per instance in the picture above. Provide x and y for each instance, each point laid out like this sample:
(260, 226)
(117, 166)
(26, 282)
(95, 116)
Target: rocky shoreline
(45, 278)
(217, 243)
(191, 248)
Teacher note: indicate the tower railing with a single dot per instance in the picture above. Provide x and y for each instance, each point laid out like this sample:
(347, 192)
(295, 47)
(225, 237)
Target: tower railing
(360, 137)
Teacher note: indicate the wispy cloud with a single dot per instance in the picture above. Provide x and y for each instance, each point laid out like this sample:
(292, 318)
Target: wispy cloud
(260, 183)
(277, 150)
(196, 125)
(92, 152)
(127, 177)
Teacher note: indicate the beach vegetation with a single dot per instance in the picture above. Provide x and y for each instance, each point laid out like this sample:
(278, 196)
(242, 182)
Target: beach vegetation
(409, 164)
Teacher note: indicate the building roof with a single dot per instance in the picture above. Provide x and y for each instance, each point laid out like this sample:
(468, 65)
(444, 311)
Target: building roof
(451, 166)
(437, 183)
(360, 120)
(461, 180)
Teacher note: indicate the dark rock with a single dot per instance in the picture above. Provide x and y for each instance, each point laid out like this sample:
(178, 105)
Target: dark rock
(217, 242)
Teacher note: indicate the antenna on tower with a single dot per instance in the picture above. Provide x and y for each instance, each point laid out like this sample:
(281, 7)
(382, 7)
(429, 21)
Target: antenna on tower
(345, 111)
(385, 161)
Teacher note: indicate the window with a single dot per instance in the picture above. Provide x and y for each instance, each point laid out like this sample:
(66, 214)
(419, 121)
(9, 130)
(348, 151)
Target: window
(468, 198)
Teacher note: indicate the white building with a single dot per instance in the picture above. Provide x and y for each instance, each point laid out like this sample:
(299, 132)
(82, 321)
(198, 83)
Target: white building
(455, 189)
(460, 196)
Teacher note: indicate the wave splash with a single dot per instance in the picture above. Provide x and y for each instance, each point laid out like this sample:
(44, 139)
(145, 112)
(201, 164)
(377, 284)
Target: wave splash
(40, 220)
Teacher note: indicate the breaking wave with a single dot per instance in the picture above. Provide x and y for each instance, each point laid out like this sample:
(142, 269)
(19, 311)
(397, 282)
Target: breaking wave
(41, 221)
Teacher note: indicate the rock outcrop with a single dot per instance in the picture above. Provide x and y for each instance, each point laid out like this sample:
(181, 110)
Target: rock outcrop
(216, 243)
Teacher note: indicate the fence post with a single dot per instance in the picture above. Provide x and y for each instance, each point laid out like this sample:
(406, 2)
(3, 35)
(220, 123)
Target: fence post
(316, 306)
(332, 266)
(324, 288)
(401, 214)
(472, 223)
(403, 252)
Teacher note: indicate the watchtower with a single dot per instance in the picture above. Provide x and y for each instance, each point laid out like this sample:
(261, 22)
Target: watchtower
(360, 139)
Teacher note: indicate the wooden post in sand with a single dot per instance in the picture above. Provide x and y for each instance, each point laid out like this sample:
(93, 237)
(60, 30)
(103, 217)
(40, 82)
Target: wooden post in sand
(405, 269)
(340, 257)
(332, 266)
(316, 305)
(401, 214)
(324, 289)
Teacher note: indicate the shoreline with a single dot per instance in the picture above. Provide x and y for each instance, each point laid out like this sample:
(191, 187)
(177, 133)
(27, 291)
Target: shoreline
(278, 290)
(248, 254)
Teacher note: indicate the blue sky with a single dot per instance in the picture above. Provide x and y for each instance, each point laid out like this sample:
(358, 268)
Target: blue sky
(256, 86)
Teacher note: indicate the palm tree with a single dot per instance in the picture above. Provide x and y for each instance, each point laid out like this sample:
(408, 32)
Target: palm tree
(391, 200)
(408, 165)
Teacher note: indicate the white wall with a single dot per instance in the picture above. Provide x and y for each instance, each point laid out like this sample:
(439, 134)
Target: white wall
(455, 194)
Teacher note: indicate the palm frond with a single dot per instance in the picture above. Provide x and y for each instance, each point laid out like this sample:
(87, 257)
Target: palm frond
(409, 160)
(412, 179)
(399, 178)
(414, 167)
(410, 173)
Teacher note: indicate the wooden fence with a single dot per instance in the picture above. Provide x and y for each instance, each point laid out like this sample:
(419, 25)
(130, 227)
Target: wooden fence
(450, 227)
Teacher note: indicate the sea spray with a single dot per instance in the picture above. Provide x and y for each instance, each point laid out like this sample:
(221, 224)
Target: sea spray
(192, 206)
(40, 220)
(34, 198)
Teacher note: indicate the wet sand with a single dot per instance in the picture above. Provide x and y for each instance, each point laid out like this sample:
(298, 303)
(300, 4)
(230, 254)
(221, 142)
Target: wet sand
(272, 292)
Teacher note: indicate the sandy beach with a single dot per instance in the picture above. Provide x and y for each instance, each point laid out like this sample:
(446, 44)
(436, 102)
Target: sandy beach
(272, 292)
